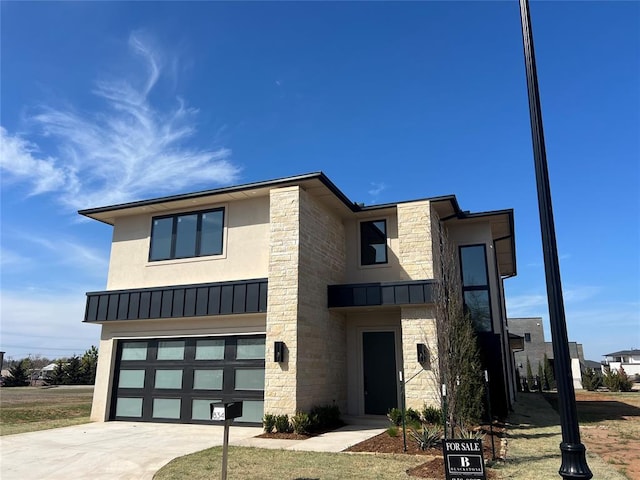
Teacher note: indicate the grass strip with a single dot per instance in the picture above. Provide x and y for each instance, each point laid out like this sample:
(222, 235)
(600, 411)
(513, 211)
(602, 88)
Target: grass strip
(262, 464)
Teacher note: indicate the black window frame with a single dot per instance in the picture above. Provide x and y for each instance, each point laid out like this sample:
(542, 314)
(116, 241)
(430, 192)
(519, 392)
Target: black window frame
(174, 230)
(364, 243)
(476, 288)
(527, 337)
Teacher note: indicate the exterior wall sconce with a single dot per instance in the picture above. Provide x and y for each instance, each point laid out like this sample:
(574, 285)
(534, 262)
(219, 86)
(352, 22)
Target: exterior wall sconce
(423, 353)
(278, 352)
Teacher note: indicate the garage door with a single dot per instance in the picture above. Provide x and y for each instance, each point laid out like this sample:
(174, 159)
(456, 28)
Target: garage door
(176, 379)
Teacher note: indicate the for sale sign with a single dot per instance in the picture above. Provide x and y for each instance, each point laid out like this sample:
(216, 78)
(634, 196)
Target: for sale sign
(463, 459)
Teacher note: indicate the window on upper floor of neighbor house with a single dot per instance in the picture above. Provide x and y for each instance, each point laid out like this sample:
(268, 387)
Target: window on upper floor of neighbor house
(185, 235)
(475, 286)
(527, 337)
(373, 242)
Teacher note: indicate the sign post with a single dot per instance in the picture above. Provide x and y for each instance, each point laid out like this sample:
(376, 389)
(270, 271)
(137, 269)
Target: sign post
(463, 459)
(225, 412)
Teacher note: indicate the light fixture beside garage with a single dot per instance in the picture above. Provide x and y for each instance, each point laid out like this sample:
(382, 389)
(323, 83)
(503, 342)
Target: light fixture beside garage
(278, 352)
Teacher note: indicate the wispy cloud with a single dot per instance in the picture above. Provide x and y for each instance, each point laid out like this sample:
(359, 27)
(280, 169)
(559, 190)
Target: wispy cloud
(535, 303)
(128, 151)
(376, 189)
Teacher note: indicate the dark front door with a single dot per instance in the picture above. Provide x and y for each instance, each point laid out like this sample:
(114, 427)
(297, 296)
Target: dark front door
(379, 366)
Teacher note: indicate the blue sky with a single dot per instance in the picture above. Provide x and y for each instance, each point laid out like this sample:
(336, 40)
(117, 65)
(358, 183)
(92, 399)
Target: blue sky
(104, 102)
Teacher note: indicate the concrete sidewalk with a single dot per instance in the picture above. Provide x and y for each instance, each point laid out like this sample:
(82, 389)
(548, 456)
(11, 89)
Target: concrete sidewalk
(128, 450)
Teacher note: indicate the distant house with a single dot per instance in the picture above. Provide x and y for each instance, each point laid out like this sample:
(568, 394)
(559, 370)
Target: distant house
(535, 348)
(629, 360)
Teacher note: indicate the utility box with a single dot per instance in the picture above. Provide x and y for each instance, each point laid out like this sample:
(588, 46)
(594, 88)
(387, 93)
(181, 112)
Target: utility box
(226, 411)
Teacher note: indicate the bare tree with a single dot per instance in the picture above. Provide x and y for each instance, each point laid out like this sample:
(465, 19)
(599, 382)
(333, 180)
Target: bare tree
(456, 362)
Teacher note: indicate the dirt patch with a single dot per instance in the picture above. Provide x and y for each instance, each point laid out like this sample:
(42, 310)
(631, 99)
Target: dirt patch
(610, 427)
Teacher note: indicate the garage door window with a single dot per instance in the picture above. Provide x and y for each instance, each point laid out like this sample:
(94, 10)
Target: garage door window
(131, 379)
(132, 351)
(251, 411)
(201, 408)
(171, 350)
(250, 348)
(207, 379)
(168, 379)
(210, 350)
(250, 379)
(129, 407)
(166, 408)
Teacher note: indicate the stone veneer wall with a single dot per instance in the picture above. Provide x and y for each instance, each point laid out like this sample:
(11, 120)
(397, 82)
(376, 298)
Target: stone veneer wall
(322, 356)
(307, 252)
(418, 249)
(282, 303)
(419, 326)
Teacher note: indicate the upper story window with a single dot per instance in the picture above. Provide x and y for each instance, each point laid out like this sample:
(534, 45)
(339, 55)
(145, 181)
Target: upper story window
(527, 337)
(187, 235)
(475, 286)
(373, 242)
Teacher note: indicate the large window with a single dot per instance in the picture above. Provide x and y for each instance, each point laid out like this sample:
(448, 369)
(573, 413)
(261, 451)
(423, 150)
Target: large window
(475, 286)
(187, 235)
(373, 242)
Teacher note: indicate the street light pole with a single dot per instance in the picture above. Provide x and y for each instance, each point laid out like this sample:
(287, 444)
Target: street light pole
(574, 463)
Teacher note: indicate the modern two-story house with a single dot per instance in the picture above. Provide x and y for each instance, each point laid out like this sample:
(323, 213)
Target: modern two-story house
(287, 295)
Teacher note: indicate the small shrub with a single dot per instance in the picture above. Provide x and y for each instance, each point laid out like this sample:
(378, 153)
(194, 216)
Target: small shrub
(301, 423)
(395, 416)
(591, 379)
(412, 417)
(392, 431)
(625, 382)
(470, 433)
(428, 437)
(268, 422)
(617, 381)
(282, 424)
(432, 415)
(325, 417)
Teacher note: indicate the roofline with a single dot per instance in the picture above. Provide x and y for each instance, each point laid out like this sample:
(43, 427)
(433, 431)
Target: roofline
(353, 206)
(633, 351)
(217, 191)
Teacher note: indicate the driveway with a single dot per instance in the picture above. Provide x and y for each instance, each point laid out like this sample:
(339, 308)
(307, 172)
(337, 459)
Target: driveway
(109, 451)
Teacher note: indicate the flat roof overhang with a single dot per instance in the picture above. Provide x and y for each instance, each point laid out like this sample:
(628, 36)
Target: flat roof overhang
(418, 292)
(178, 301)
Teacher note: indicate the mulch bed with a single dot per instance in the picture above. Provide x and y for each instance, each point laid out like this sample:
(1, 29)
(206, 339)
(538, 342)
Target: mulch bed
(434, 467)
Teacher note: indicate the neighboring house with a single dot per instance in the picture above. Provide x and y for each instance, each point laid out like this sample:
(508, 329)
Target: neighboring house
(287, 295)
(535, 348)
(629, 360)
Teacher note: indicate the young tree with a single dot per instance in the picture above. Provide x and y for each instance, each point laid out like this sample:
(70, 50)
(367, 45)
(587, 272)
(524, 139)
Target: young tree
(530, 379)
(591, 379)
(19, 375)
(540, 377)
(549, 377)
(89, 365)
(73, 371)
(58, 375)
(625, 382)
(458, 365)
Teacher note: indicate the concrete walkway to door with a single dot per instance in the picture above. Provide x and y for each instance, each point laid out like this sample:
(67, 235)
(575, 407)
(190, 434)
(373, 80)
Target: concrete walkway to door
(136, 451)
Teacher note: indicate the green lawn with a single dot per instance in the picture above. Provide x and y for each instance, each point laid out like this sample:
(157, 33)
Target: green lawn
(261, 464)
(27, 409)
